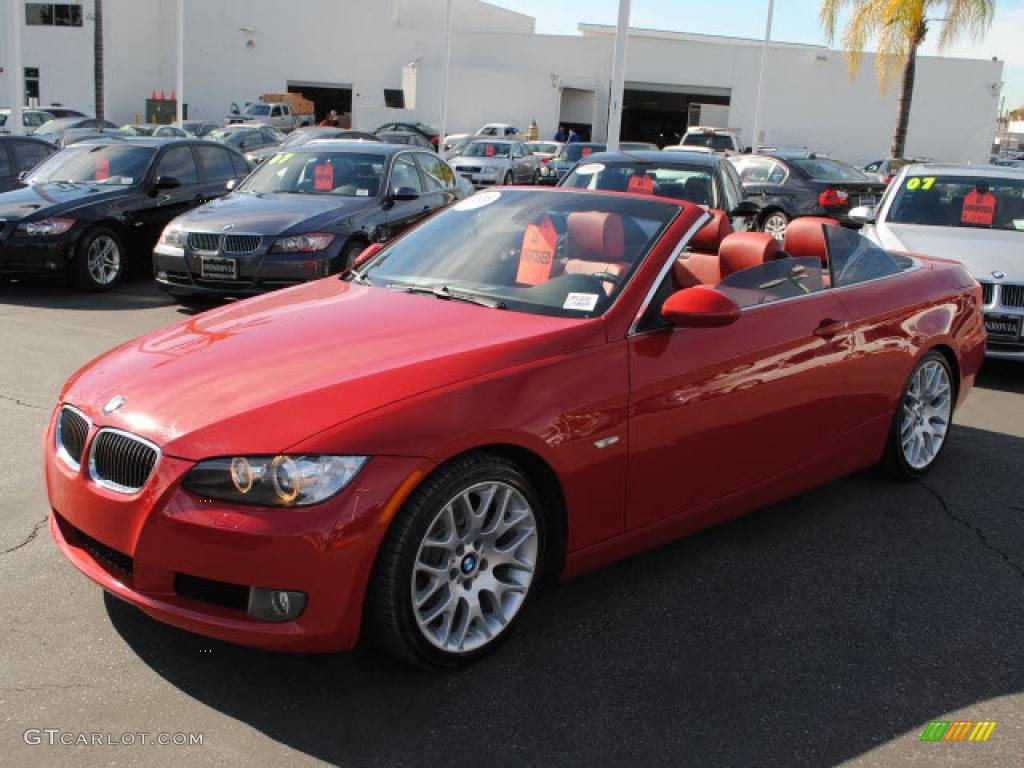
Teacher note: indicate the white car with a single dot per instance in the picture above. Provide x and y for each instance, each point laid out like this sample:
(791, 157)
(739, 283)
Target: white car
(498, 130)
(973, 214)
(545, 150)
(688, 148)
(715, 139)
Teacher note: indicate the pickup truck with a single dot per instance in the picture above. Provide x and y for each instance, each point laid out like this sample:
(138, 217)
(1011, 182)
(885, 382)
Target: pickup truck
(276, 114)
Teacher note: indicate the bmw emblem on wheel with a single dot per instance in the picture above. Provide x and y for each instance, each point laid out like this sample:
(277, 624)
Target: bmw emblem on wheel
(998, 275)
(113, 404)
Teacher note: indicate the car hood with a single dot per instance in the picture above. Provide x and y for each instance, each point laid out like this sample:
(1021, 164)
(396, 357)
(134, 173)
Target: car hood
(269, 214)
(52, 198)
(982, 251)
(261, 375)
(483, 162)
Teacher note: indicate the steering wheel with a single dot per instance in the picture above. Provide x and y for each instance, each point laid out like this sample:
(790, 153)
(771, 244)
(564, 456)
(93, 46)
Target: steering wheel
(607, 277)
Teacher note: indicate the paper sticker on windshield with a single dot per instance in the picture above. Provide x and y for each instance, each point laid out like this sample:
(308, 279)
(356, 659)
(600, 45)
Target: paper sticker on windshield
(479, 200)
(590, 169)
(979, 208)
(102, 168)
(584, 302)
(323, 177)
(489, 150)
(538, 253)
(641, 184)
(362, 193)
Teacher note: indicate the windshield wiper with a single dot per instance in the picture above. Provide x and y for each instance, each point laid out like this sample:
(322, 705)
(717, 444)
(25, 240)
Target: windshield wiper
(444, 292)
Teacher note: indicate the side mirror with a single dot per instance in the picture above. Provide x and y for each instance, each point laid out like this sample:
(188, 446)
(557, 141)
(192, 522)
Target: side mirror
(745, 209)
(404, 193)
(232, 183)
(166, 182)
(862, 214)
(700, 307)
(367, 253)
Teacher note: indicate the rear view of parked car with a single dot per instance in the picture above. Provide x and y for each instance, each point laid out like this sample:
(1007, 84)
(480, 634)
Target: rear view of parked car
(90, 209)
(558, 166)
(19, 155)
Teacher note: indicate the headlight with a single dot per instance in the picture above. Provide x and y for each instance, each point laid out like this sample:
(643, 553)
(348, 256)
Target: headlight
(314, 241)
(173, 236)
(545, 170)
(46, 227)
(283, 481)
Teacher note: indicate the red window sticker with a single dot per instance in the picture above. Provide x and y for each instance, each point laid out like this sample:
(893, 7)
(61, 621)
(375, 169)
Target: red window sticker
(979, 208)
(323, 177)
(102, 169)
(586, 151)
(641, 184)
(489, 150)
(538, 253)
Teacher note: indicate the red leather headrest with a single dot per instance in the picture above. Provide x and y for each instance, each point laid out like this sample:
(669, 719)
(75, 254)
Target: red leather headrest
(741, 250)
(805, 239)
(711, 235)
(595, 236)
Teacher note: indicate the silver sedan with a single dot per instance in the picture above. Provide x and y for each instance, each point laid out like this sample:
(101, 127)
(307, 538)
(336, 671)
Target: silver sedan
(486, 162)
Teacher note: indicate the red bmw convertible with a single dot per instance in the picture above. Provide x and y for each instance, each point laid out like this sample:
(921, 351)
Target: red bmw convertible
(528, 385)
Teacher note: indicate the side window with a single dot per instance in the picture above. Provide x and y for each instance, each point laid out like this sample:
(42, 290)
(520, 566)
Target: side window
(855, 259)
(240, 165)
(217, 165)
(5, 164)
(436, 171)
(404, 174)
(778, 173)
(774, 281)
(275, 112)
(734, 190)
(179, 163)
(28, 154)
(268, 137)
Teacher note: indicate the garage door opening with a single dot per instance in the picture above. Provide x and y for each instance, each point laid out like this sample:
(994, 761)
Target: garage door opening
(576, 111)
(661, 113)
(325, 97)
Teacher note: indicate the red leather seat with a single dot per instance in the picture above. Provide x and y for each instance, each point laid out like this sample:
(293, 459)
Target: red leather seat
(742, 250)
(596, 243)
(805, 238)
(699, 264)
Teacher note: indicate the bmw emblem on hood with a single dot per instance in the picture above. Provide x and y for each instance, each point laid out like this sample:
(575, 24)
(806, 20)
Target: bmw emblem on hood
(113, 404)
(998, 275)
(228, 226)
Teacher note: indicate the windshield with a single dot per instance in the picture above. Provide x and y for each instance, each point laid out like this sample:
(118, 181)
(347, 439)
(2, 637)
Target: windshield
(231, 138)
(318, 173)
(298, 138)
(573, 152)
(259, 110)
(823, 169)
(714, 141)
(987, 202)
(487, 149)
(676, 181)
(543, 147)
(108, 165)
(554, 253)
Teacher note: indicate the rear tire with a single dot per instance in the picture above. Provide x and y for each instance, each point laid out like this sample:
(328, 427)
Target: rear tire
(923, 418)
(506, 179)
(461, 561)
(775, 224)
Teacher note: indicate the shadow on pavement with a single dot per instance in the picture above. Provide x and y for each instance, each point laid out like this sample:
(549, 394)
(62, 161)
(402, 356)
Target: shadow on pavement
(1002, 375)
(131, 293)
(802, 635)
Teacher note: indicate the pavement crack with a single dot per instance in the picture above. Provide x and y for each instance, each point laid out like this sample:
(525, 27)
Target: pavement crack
(982, 538)
(19, 401)
(28, 539)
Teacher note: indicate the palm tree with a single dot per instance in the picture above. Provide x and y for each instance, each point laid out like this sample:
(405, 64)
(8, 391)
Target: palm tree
(900, 27)
(97, 57)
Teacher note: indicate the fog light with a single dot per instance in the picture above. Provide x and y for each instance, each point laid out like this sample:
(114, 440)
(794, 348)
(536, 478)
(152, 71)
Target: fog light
(161, 275)
(275, 604)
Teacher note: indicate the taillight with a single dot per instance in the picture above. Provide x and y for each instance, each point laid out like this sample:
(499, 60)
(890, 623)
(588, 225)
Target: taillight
(545, 160)
(832, 197)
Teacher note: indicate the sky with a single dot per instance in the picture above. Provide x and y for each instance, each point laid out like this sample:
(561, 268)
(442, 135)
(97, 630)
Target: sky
(795, 21)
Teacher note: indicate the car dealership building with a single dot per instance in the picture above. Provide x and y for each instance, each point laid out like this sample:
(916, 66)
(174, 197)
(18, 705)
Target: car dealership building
(382, 60)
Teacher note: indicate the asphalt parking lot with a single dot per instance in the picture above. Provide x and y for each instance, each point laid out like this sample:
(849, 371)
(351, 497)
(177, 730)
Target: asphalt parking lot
(828, 630)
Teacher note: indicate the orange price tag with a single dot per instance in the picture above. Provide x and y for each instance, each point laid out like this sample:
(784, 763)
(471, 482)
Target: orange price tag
(586, 151)
(102, 169)
(979, 208)
(641, 185)
(538, 253)
(323, 177)
(489, 150)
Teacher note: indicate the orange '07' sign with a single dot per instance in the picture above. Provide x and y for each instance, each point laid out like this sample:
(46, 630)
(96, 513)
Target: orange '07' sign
(538, 253)
(979, 208)
(323, 177)
(102, 168)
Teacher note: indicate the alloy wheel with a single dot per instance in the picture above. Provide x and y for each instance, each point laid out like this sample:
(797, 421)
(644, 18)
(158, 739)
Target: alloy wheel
(104, 260)
(927, 411)
(474, 567)
(775, 225)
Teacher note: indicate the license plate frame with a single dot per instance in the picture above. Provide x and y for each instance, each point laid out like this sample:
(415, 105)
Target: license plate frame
(218, 268)
(1010, 330)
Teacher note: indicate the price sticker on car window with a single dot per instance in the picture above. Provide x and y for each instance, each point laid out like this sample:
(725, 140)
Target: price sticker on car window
(537, 255)
(590, 169)
(102, 169)
(323, 177)
(489, 150)
(479, 200)
(586, 151)
(584, 302)
(920, 182)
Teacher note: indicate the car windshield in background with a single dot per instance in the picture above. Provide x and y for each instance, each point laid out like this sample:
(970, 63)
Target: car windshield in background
(675, 181)
(573, 152)
(104, 164)
(230, 138)
(537, 146)
(712, 141)
(823, 169)
(318, 173)
(556, 253)
(487, 149)
(258, 110)
(986, 202)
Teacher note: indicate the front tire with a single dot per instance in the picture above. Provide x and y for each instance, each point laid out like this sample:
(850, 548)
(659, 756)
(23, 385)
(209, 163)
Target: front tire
(921, 424)
(351, 250)
(506, 179)
(462, 559)
(99, 261)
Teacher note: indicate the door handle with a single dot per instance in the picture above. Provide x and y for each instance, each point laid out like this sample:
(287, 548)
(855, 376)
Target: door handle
(828, 328)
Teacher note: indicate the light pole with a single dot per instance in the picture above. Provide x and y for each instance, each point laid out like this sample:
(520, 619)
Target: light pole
(446, 54)
(618, 77)
(17, 72)
(180, 89)
(755, 140)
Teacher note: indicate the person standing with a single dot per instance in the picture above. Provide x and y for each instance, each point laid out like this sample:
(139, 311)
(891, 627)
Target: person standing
(561, 135)
(331, 119)
(573, 136)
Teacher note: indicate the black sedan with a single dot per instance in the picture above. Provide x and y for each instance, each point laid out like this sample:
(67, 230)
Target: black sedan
(788, 185)
(247, 138)
(429, 132)
(301, 215)
(555, 169)
(302, 136)
(51, 130)
(18, 155)
(91, 207)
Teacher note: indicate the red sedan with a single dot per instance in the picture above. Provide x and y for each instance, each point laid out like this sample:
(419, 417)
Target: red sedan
(526, 386)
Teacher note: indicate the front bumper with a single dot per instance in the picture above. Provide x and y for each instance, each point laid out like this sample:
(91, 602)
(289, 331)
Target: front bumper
(1004, 320)
(189, 562)
(36, 255)
(179, 271)
(479, 180)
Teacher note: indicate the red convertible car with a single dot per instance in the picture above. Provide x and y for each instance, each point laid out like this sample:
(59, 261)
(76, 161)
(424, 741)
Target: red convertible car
(526, 386)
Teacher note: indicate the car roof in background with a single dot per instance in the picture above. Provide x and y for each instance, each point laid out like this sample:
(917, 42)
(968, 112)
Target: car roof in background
(655, 157)
(996, 171)
(142, 141)
(350, 147)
